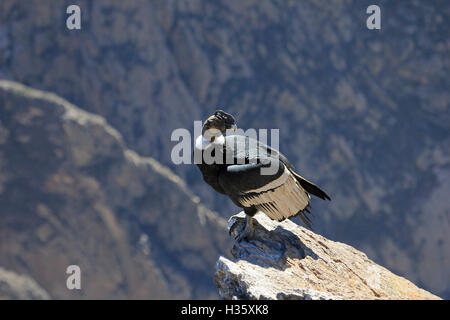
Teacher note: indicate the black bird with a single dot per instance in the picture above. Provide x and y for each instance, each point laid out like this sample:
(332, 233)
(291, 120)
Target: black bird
(234, 165)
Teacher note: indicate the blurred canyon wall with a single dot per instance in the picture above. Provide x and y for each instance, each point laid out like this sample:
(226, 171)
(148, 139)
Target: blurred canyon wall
(364, 113)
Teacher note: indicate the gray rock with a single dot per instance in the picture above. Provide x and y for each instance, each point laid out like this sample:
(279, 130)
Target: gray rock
(287, 262)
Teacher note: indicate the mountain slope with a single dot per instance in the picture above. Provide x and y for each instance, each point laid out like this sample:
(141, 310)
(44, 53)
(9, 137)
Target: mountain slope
(72, 193)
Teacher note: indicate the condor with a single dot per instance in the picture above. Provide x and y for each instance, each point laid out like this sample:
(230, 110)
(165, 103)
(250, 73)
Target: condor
(238, 172)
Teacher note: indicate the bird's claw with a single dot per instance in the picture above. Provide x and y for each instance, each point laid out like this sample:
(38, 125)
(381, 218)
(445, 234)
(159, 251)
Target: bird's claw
(240, 230)
(247, 233)
(232, 227)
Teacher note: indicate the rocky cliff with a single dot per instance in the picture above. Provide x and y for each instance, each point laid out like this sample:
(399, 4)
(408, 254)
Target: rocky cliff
(286, 261)
(72, 193)
(15, 286)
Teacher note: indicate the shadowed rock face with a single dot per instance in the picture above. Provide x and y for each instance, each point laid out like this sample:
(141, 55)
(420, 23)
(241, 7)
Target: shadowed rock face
(363, 113)
(286, 261)
(72, 193)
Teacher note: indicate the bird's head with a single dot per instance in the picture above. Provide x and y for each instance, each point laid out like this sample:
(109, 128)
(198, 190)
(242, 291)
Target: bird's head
(217, 124)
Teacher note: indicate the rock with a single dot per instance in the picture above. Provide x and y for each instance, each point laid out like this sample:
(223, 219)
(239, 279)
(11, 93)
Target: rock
(15, 286)
(287, 261)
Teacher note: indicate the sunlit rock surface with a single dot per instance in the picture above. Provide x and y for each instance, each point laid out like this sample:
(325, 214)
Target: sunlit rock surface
(286, 261)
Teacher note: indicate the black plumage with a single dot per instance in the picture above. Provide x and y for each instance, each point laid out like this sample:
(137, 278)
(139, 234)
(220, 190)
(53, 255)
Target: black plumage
(253, 175)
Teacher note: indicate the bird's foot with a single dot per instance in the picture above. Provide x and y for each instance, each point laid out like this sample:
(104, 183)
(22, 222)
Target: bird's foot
(248, 231)
(236, 227)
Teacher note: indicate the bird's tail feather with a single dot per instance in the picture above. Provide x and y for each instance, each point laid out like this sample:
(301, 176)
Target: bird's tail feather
(311, 187)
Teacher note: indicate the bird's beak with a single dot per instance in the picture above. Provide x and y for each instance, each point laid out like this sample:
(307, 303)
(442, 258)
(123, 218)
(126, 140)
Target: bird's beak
(234, 127)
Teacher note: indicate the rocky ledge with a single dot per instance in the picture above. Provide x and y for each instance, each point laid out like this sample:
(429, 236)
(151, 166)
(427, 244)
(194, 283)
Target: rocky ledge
(287, 261)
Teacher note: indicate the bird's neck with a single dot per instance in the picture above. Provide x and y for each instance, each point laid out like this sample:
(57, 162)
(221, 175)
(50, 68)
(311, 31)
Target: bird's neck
(202, 143)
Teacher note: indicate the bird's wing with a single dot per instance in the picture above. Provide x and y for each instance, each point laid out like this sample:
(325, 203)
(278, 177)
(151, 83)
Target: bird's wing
(275, 153)
(245, 148)
(278, 195)
(310, 187)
